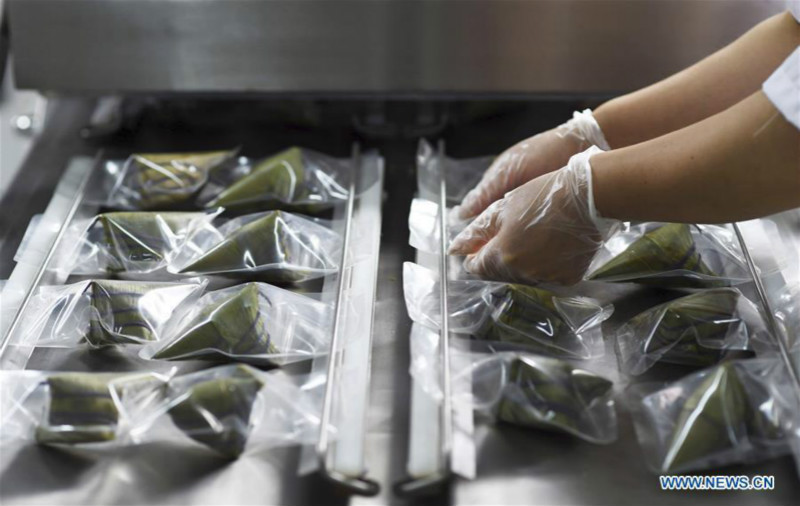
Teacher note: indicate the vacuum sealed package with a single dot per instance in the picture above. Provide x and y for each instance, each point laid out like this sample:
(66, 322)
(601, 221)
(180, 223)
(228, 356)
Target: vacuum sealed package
(103, 312)
(527, 391)
(74, 408)
(273, 246)
(139, 242)
(228, 408)
(721, 415)
(511, 314)
(296, 179)
(696, 330)
(672, 255)
(160, 181)
(224, 408)
(252, 322)
(461, 174)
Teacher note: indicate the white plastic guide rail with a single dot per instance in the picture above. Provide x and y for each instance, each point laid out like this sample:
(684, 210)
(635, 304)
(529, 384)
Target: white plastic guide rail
(348, 368)
(78, 173)
(419, 485)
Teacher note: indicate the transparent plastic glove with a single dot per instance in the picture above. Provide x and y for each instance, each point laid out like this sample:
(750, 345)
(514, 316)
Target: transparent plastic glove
(547, 230)
(531, 158)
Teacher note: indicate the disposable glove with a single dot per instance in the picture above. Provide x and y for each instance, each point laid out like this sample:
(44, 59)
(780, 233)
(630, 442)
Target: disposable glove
(547, 230)
(531, 158)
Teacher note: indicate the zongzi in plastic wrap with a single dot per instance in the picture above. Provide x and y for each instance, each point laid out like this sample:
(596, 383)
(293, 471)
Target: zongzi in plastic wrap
(87, 407)
(273, 246)
(159, 181)
(696, 330)
(296, 179)
(216, 412)
(127, 242)
(253, 322)
(721, 415)
(673, 255)
(509, 314)
(103, 312)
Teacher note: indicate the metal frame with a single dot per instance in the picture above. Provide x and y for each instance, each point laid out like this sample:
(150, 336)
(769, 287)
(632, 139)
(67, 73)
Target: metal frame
(360, 485)
(427, 484)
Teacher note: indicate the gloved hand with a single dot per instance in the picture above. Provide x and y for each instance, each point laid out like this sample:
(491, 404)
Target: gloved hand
(531, 158)
(547, 230)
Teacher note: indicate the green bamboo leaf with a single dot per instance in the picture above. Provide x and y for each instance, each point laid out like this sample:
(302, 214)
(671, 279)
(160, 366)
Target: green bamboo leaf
(280, 179)
(231, 327)
(142, 238)
(550, 394)
(216, 412)
(81, 409)
(664, 250)
(712, 420)
(685, 327)
(163, 180)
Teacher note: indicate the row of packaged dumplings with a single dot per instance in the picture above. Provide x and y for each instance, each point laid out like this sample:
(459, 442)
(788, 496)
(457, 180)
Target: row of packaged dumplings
(527, 351)
(227, 409)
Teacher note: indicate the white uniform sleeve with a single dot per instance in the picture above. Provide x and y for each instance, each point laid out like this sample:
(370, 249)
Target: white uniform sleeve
(794, 8)
(783, 88)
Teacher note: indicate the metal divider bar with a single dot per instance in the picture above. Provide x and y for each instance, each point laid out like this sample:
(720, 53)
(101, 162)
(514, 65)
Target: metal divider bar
(354, 484)
(774, 328)
(78, 199)
(426, 484)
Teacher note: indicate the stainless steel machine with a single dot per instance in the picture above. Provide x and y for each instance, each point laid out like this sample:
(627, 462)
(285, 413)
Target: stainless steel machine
(123, 76)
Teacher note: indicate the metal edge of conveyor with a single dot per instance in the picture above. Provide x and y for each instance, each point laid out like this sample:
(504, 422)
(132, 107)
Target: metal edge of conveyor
(353, 482)
(422, 485)
(83, 170)
(775, 330)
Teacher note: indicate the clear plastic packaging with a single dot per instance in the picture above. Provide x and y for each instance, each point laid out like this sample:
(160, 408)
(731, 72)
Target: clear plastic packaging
(518, 316)
(253, 322)
(273, 246)
(72, 408)
(672, 255)
(229, 409)
(127, 242)
(226, 409)
(296, 179)
(461, 174)
(102, 312)
(160, 181)
(525, 390)
(696, 330)
(718, 416)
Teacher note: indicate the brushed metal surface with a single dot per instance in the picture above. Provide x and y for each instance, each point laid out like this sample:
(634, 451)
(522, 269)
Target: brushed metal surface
(365, 46)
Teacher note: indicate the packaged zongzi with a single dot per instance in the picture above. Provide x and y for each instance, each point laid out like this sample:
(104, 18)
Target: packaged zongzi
(673, 255)
(296, 179)
(273, 246)
(509, 314)
(127, 242)
(547, 393)
(216, 412)
(695, 330)
(86, 407)
(252, 322)
(103, 312)
(160, 181)
(721, 415)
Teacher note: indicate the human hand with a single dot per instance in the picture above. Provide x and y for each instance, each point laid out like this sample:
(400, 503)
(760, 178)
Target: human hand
(547, 230)
(531, 158)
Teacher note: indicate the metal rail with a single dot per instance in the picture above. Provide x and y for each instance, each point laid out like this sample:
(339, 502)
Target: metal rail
(360, 485)
(427, 484)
